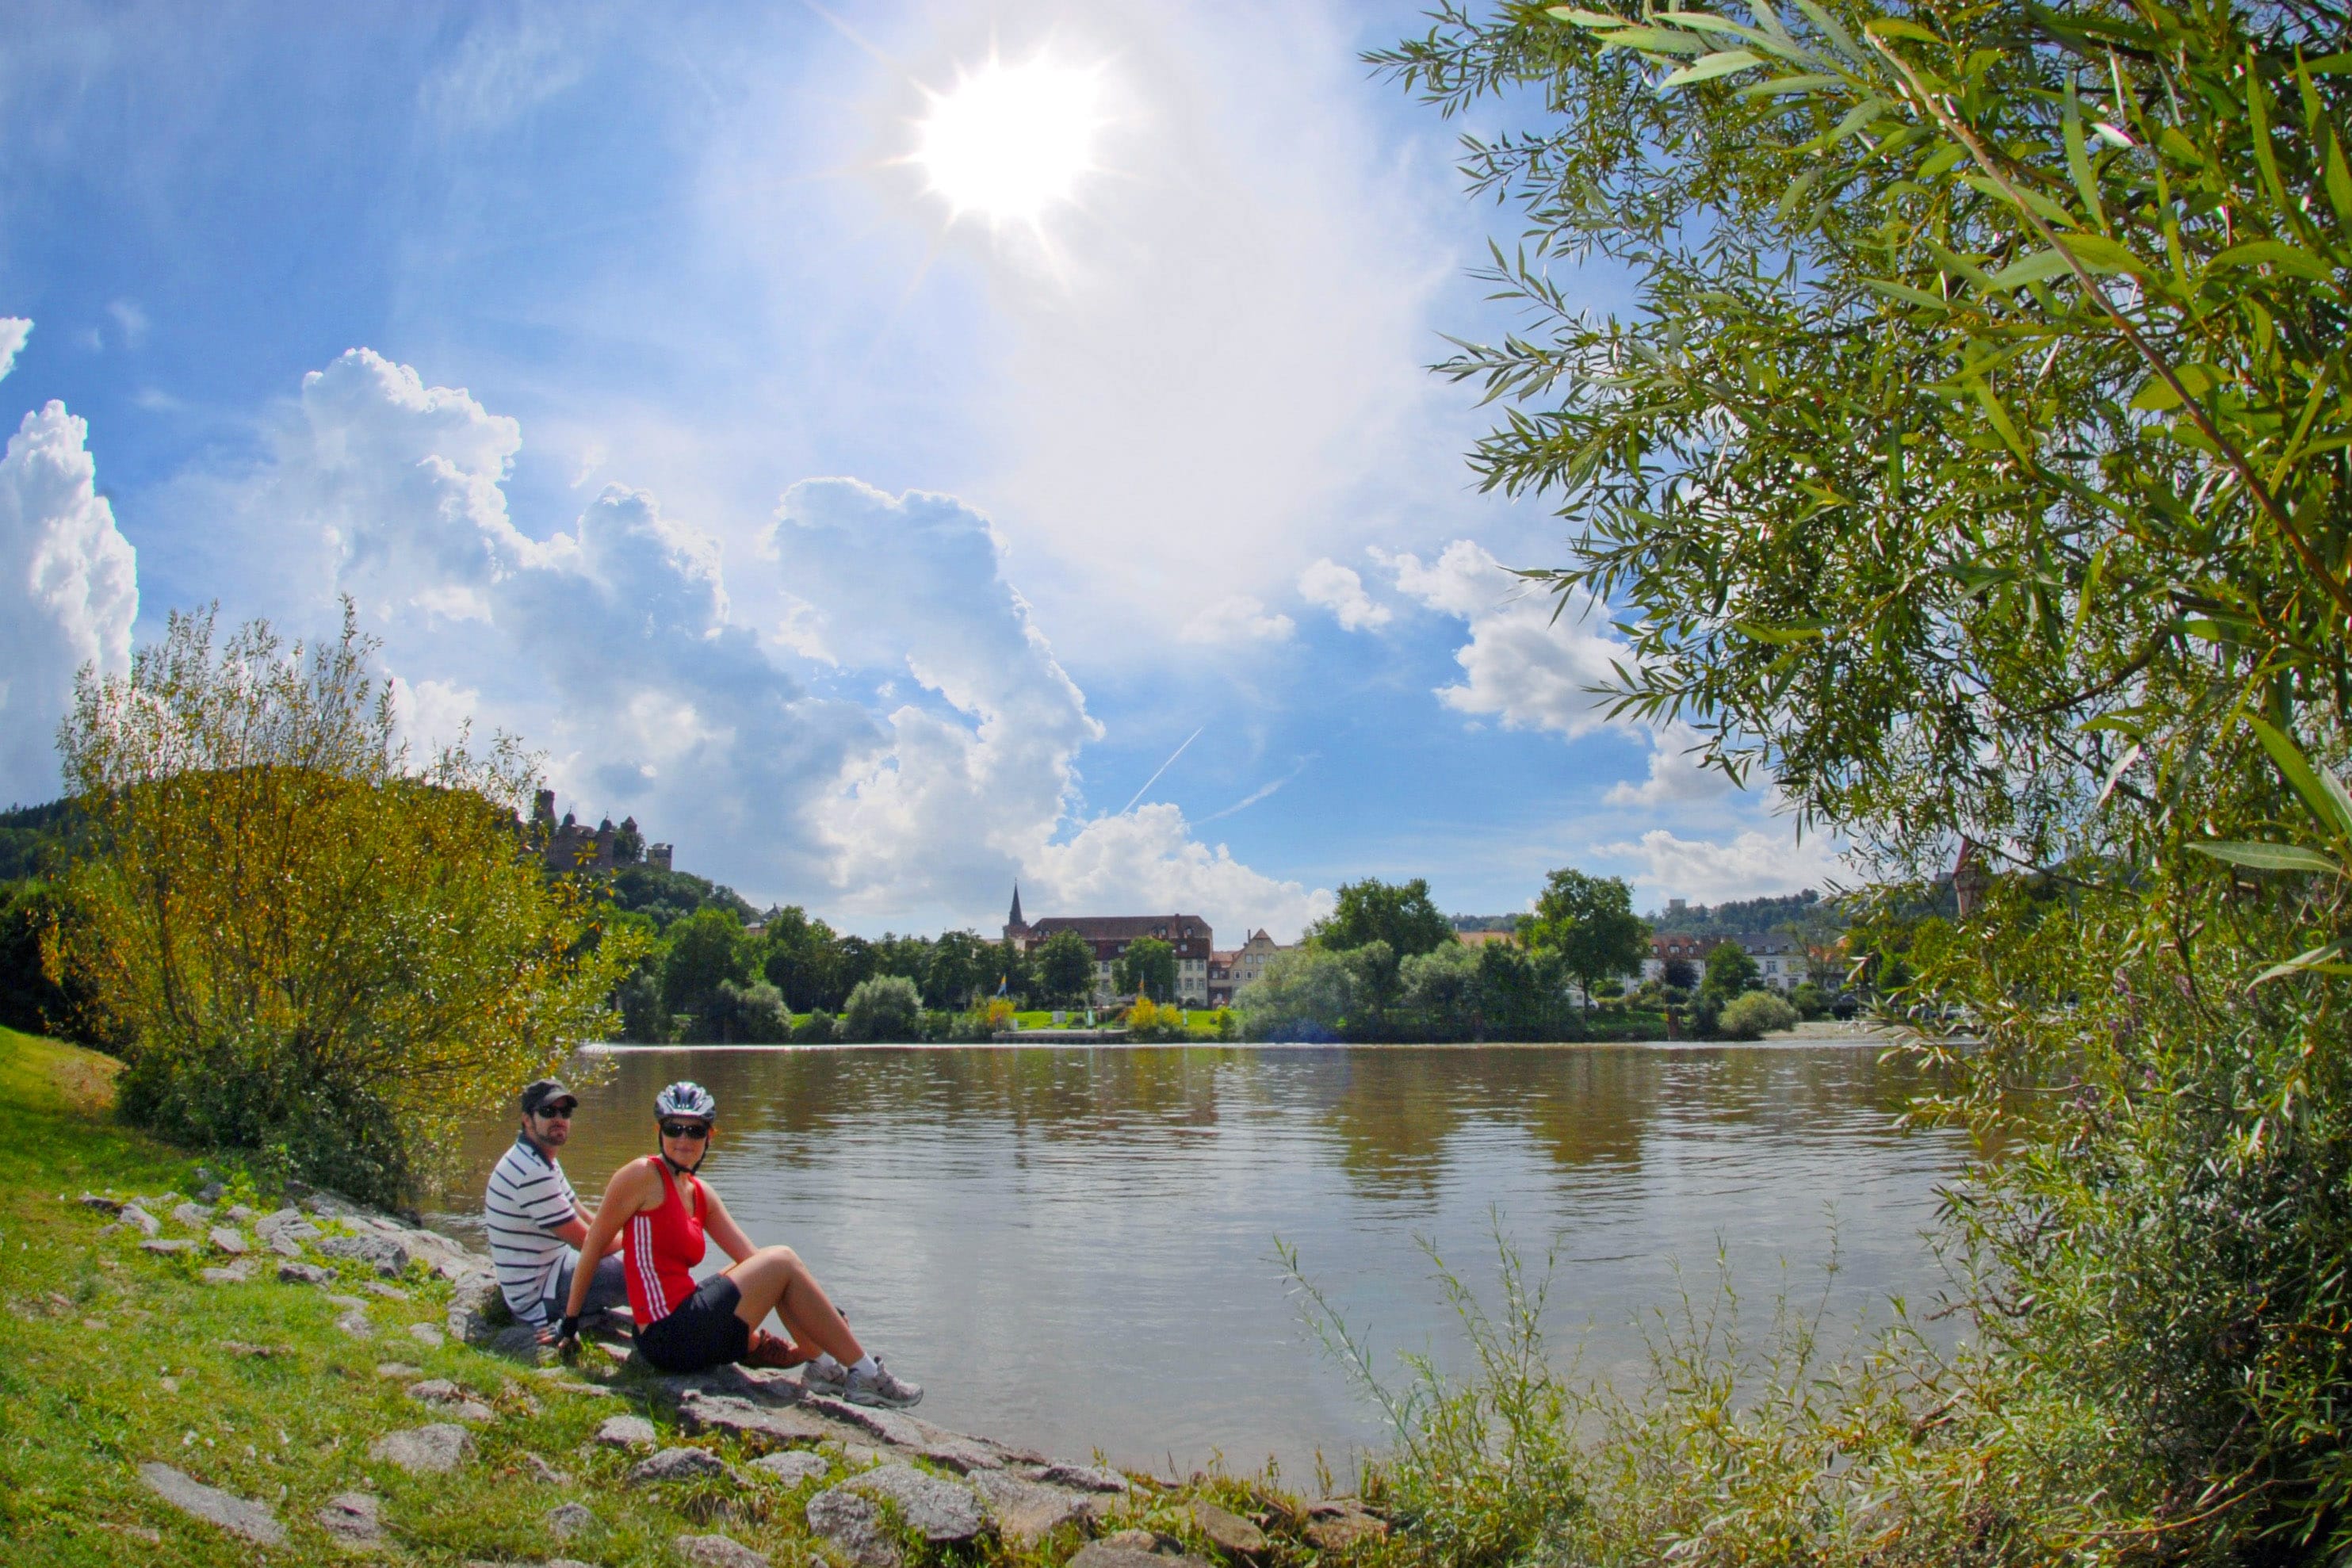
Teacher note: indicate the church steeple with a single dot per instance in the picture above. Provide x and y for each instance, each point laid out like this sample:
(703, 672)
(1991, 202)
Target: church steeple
(1015, 921)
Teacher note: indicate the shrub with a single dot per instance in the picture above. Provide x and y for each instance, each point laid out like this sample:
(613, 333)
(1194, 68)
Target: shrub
(312, 951)
(1809, 1000)
(815, 1028)
(753, 1014)
(1149, 1020)
(883, 1007)
(1754, 1014)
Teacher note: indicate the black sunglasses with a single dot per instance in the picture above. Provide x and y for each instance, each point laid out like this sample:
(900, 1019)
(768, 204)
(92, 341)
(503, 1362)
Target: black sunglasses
(554, 1113)
(686, 1130)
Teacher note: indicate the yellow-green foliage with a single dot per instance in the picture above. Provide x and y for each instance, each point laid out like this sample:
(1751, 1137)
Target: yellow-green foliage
(302, 944)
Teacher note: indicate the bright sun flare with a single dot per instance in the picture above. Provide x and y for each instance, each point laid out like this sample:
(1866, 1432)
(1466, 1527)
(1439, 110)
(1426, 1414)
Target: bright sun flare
(1010, 139)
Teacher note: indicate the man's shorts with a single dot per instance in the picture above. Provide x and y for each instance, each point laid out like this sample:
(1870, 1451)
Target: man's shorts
(703, 1332)
(607, 1288)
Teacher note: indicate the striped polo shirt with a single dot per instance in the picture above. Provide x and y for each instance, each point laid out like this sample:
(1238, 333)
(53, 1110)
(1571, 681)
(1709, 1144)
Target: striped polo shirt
(529, 1198)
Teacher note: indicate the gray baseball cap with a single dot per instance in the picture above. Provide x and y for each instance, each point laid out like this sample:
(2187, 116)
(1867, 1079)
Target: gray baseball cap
(542, 1092)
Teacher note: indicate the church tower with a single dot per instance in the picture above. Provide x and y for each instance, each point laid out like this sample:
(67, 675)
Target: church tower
(1016, 930)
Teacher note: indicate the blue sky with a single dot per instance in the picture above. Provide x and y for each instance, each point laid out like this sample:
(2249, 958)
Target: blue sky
(651, 402)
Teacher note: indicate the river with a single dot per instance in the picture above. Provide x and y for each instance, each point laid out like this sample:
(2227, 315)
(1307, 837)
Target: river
(1076, 1248)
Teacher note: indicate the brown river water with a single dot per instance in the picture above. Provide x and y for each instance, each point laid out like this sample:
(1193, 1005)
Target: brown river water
(1076, 1248)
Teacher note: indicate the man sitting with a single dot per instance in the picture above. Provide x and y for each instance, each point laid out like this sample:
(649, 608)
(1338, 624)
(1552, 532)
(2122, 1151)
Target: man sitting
(535, 1221)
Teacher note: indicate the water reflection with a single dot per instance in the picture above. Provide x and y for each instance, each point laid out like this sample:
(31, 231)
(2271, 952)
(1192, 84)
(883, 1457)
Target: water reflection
(1074, 1248)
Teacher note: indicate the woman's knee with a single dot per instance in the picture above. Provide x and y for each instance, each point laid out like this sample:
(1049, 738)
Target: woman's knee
(783, 1256)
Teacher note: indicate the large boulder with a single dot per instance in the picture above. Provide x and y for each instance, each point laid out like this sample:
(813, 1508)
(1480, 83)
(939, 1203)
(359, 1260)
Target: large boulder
(379, 1252)
(853, 1525)
(425, 1450)
(758, 1427)
(626, 1431)
(354, 1519)
(680, 1465)
(935, 1509)
(718, 1551)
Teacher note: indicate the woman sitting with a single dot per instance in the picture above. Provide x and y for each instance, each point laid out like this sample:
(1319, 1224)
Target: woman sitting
(663, 1212)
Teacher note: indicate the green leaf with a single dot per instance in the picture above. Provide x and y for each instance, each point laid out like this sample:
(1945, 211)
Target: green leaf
(2078, 158)
(1655, 41)
(2275, 253)
(1907, 295)
(1790, 85)
(1794, 632)
(2000, 418)
(1895, 27)
(1830, 29)
(2328, 799)
(2339, 181)
(2039, 268)
(2097, 253)
(2270, 856)
(2319, 959)
(1722, 63)
(2258, 113)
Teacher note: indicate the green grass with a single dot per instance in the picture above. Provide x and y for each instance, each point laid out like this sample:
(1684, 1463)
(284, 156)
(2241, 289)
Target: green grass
(111, 1357)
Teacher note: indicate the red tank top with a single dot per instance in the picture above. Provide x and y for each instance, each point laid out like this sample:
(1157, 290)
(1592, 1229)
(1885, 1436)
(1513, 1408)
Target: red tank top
(660, 1250)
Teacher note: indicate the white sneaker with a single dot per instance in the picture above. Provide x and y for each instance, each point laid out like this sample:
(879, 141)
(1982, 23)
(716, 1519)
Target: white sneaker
(825, 1375)
(879, 1387)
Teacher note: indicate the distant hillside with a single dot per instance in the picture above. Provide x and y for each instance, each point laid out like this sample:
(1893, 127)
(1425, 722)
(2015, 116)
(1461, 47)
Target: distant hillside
(1744, 917)
(667, 896)
(33, 839)
(1486, 923)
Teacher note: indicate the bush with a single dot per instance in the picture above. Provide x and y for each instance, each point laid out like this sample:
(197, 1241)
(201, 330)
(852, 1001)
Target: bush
(1149, 1020)
(749, 1015)
(1809, 1000)
(312, 951)
(1754, 1014)
(883, 1007)
(815, 1028)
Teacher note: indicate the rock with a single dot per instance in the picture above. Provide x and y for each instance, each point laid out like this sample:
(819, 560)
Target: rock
(210, 1192)
(381, 1253)
(237, 1213)
(938, 1510)
(756, 1426)
(234, 1274)
(852, 1523)
(425, 1450)
(195, 1216)
(716, 1551)
(567, 1520)
(397, 1370)
(546, 1473)
(351, 1518)
(518, 1343)
(1084, 1478)
(448, 1399)
(478, 1292)
(389, 1292)
(140, 1220)
(961, 1455)
(1124, 1553)
(678, 1464)
(626, 1431)
(1149, 1541)
(427, 1335)
(899, 1431)
(304, 1274)
(1025, 1511)
(1337, 1523)
(232, 1513)
(1228, 1531)
(166, 1248)
(106, 1205)
(354, 1323)
(229, 1239)
(284, 1246)
(793, 1466)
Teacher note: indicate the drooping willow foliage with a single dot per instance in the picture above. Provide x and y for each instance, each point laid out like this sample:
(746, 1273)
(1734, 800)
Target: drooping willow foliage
(1972, 463)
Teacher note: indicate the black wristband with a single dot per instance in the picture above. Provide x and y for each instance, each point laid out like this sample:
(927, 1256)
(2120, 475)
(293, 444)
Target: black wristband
(570, 1329)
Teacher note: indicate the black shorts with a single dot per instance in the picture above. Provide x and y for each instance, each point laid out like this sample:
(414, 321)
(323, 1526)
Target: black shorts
(702, 1334)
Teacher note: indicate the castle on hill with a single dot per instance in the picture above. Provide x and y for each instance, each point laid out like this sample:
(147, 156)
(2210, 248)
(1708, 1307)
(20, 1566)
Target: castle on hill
(569, 847)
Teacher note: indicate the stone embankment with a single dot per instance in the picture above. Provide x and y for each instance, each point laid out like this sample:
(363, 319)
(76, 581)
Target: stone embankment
(877, 1481)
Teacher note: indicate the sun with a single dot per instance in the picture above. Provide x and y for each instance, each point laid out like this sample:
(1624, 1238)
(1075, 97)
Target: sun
(1011, 141)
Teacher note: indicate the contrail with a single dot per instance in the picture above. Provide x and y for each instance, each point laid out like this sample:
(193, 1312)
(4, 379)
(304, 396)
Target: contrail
(1162, 769)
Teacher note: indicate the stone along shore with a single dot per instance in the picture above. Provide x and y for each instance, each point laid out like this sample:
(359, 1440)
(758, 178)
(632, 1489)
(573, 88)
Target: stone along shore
(869, 1485)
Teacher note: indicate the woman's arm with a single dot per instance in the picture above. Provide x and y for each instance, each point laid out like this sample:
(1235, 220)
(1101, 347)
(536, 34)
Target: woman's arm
(720, 1226)
(625, 1196)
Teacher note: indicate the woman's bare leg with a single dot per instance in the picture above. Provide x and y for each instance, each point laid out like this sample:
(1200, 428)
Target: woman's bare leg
(774, 1279)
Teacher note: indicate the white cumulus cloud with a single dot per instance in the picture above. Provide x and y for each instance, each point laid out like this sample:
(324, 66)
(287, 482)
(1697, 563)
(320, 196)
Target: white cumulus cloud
(1237, 617)
(859, 712)
(1750, 865)
(68, 590)
(1521, 666)
(1341, 591)
(1674, 775)
(14, 331)
(1146, 859)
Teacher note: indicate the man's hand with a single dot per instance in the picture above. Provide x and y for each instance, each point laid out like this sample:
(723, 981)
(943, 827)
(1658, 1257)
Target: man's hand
(564, 1336)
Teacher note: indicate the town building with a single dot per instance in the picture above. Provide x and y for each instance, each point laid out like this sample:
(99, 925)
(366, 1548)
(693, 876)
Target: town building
(1108, 936)
(1781, 961)
(1235, 967)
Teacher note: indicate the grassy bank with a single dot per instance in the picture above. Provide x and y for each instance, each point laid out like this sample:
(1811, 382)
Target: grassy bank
(112, 1356)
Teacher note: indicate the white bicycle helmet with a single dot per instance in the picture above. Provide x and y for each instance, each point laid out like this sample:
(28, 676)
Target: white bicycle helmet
(686, 1098)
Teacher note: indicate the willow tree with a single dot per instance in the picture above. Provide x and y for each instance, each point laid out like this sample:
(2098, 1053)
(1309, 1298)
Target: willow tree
(309, 948)
(1972, 464)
